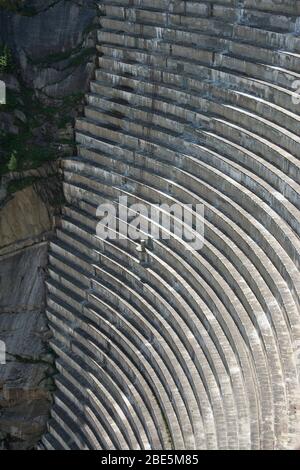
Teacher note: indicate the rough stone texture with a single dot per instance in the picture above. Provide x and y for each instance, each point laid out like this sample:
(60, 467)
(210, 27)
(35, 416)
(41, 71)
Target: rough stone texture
(51, 58)
(47, 43)
(25, 380)
(51, 55)
(26, 219)
(23, 218)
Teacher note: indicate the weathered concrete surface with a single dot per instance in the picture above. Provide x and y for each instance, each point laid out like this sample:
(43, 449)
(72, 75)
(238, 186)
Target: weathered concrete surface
(25, 379)
(195, 349)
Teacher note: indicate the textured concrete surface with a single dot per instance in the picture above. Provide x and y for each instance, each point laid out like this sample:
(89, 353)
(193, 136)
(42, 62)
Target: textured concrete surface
(191, 103)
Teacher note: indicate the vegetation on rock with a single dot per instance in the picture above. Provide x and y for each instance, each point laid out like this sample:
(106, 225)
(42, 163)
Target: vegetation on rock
(36, 123)
(6, 61)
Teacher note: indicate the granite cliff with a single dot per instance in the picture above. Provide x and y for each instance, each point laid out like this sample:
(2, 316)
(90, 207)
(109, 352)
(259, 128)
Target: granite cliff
(47, 53)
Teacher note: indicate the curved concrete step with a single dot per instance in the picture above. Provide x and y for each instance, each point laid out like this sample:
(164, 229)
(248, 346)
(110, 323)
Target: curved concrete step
(192, 103)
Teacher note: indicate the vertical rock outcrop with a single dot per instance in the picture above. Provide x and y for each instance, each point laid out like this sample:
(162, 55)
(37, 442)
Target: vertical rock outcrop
(47, 51)
(26, 378)
(26, 222)
(47, 54)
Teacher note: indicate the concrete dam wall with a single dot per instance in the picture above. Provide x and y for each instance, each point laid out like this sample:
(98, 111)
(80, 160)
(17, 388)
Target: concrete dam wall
(159, 346)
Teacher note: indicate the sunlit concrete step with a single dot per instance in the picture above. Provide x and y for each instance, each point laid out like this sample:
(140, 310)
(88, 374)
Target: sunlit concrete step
(212, 106)
(260, 35)
(85, 344)
(167, 409)
(280, 408)
(255, 143)
(266, 444)
(125, 88)
(75, 439)
(174, 117)
(222, 61)
(199, 306)
(79, 280)
(284, 59)
(84, 378)
(115, 118)
(290, 7)
(178, 375)
(101, 425)
(63, 280)
(213, 88)
(279, 91)
(189, 20)
(162, 48)
(161, 306)
(189, 14)
(161, 287)
(184, 45)
(159, 119)
(134, 387)
(266, 38)
(218, 243)
(206, 375)
(270, 173)
(266, 72)
(255, 252)
(166, 138)
(164, 40)
(61, 436)
(49, 443)
(76, 404)
(134, 128)
(116, 8)
(106, 161)
(193, 102)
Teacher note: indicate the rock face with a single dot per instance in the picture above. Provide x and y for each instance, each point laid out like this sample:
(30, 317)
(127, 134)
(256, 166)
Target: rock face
(26, 378)
(49, 39)
(26, 220)
(47, 54)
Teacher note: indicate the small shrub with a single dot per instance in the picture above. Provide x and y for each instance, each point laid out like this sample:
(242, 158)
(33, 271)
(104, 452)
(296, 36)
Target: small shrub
(6, 61)
(13, 162)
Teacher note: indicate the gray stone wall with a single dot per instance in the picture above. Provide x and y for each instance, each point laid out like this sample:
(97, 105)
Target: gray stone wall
(26, 378)
(50, 41)
(51, 49)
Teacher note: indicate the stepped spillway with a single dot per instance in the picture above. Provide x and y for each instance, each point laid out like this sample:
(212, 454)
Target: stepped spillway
(192, 103)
